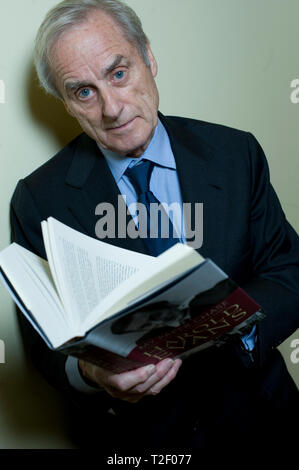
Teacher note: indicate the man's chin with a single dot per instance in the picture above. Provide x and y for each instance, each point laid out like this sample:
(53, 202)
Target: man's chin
(133, 145)
(133, 150)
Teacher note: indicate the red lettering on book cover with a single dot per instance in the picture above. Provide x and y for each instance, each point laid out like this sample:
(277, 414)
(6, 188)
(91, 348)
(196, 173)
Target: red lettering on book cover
(209, 325)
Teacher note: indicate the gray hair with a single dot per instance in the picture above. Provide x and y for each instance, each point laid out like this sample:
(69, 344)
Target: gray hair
(73, 12)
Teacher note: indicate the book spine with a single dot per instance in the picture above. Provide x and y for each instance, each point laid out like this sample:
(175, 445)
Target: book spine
(108, 360)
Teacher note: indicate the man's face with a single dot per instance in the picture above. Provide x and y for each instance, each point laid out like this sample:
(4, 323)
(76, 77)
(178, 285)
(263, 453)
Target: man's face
(106, 85)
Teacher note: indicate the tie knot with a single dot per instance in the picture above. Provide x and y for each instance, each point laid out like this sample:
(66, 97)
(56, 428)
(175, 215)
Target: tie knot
(140, 176)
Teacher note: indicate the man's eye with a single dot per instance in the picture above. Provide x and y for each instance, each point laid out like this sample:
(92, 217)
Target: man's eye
(84, 93)
(119, 75)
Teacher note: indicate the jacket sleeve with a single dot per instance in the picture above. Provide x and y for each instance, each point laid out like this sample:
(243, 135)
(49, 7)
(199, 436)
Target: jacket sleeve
(275, 259)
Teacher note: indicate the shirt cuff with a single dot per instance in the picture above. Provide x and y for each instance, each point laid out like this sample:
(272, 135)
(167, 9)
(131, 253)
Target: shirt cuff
(249, 340)
(75, 379)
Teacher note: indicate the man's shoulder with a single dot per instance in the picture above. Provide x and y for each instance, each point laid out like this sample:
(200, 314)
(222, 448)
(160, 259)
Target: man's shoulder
(56, 168)
(212, 133)
(221, 146)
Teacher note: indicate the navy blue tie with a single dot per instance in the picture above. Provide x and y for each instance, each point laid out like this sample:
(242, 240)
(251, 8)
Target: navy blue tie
(160, 231)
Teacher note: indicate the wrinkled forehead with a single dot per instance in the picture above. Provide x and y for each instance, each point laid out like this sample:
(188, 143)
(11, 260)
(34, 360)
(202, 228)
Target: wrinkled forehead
(97, 32)
(89, 47)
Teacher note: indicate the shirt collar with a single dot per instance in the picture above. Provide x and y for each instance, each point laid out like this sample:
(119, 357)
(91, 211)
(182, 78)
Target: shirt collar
(158, 151)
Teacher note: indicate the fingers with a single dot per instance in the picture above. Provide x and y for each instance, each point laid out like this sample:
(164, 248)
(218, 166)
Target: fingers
(166, 371)
(171, 374)
(127, 380)
(162, 368)
(133, 385)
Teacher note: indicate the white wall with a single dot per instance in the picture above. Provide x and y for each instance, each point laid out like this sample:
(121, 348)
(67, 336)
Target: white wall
(229, 62)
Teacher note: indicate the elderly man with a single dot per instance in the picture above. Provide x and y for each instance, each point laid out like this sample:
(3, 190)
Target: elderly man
(95, 57)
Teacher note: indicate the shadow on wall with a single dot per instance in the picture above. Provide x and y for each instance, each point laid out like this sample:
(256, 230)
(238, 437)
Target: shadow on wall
(33, 413)
(49, 112)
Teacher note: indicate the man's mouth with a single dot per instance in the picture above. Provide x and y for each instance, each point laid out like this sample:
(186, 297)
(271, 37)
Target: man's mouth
(122, 126)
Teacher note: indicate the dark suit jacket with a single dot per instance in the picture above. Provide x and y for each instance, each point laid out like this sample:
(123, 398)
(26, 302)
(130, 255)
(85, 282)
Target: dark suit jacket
(245, 230)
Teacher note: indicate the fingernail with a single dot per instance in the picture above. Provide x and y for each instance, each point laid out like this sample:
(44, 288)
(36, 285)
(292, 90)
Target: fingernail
(168, 364)
(151, 368)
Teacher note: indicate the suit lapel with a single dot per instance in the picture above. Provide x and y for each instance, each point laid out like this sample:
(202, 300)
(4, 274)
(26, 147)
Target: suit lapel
(201, 181)
(90, 182)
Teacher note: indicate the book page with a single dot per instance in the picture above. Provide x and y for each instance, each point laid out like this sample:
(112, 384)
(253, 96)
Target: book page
(88, 270)
(31, 278)
(50, 257)
(169, 266)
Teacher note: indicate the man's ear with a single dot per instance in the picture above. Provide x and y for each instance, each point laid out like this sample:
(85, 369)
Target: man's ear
(152, 61)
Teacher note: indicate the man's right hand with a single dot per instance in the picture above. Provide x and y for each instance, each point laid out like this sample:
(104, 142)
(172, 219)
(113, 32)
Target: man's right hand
(133, 385)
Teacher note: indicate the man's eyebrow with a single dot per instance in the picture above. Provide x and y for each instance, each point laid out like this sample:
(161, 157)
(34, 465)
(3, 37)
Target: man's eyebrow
(74, 86)
(118, 59)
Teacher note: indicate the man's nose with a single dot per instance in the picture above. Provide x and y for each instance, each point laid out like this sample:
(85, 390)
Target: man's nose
(111, 103)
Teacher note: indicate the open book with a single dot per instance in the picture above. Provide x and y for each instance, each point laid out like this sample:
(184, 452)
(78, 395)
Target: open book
(121, 309)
